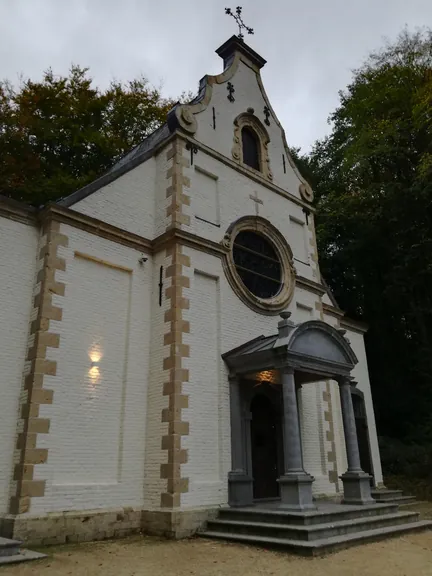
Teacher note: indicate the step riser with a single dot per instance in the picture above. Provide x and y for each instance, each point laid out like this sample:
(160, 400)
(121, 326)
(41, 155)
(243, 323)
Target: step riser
(402, 500)
(303, 535)
(303, 521)
(9, 551)
(384, 496)
(323, 549)
(365, 540)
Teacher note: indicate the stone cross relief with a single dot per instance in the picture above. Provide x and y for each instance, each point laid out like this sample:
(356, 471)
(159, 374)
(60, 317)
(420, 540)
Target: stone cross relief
(257, 201)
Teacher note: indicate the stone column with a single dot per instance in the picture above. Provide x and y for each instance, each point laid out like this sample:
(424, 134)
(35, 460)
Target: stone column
(356, 482)
(295, 484)
(240, 484)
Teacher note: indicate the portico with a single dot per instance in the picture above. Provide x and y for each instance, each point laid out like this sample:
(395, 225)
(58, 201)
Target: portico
(300, 354)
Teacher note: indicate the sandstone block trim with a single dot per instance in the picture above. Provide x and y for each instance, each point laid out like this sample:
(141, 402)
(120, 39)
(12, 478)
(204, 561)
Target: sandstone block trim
(328, 417)
(173, 364)
(73, 526)
(89, 525)
(177, 327)
(177, 218)
(314, 249)
(34, 394)
(330, 437)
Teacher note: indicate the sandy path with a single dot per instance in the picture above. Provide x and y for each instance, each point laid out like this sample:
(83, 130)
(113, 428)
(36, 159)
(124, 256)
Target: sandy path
(410, 555)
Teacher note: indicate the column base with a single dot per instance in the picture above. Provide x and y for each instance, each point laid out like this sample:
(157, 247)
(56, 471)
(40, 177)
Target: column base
(240, 489)
(357, 488)
(296, 491)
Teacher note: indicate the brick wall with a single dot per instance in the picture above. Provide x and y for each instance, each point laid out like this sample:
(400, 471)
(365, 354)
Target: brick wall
(248, 94)
(17, 271)
(219, 320)
(127, 202)
(97, 435)
(156, 429)
(228, 198)
(361, 375)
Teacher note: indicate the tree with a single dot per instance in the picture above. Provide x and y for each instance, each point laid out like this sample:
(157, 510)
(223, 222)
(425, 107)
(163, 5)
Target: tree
(61, 133)
(372, 177)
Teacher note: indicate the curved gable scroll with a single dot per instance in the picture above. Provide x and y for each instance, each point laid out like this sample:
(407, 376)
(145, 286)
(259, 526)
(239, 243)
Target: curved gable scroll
(247, 120)
(319, 340)
(183, 115)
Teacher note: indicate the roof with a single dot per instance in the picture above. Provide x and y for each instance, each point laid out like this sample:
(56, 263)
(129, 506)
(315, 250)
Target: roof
(313, 347)
(136, 156)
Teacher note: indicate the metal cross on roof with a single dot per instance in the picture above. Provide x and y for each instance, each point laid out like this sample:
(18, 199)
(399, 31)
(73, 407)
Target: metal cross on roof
(239, 20)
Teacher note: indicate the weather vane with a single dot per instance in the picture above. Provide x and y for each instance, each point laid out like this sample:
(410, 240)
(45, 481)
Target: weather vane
(239, 20)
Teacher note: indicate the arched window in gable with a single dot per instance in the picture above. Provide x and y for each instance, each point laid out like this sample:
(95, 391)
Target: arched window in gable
(251, 148)
(250, 144)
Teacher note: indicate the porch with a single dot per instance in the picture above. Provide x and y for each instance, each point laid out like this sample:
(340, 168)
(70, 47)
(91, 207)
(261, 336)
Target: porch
(299, 355)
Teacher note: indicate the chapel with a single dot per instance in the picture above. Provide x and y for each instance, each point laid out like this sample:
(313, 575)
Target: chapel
(169, 346)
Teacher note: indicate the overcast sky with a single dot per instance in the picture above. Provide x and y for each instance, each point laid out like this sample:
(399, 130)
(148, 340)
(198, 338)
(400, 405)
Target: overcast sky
(310, 46)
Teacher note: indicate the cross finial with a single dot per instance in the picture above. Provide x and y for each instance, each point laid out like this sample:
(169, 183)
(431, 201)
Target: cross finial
(239, 20)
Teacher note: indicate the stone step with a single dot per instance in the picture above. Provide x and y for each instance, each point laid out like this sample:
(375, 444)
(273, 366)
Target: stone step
(324, 545)
(23, 556)
(9, 547)
(401, 500)
(11, 552)
(320, 516)
(313, 531)
(392, 497)
(386, 494)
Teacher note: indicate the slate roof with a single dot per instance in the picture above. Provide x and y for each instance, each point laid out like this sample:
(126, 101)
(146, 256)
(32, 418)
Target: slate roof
(136, 156)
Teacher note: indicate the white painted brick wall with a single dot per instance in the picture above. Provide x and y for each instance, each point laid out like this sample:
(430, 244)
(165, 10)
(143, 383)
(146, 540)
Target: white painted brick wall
(341, 457)
(312, 407)
(154, 455)
(18, 243)
(233, 198)
(216, 309)
(97, 437)
(361, 374)
(161, 201)
(205, 440)
(247, 94)
(128, 202)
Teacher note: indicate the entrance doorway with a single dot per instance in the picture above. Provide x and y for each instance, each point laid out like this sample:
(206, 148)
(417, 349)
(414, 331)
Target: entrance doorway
(362, 433)
(265, 432)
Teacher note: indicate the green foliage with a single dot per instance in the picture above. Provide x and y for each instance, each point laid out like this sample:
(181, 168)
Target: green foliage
(406, 460)
(61, 133)
(416, 486)
(372, 178)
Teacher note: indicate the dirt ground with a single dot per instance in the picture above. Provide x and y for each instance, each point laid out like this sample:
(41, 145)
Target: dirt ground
(141, 556)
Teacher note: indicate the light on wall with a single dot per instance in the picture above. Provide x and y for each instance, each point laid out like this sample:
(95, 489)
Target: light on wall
(94, 371)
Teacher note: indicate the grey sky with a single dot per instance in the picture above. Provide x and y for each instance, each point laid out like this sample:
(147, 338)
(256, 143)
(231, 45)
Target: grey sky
(310, 46)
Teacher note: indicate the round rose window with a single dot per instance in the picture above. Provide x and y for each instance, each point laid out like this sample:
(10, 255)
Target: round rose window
(257, 264)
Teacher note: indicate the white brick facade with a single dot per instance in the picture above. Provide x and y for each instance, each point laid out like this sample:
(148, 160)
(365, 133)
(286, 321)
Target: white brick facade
(17, 270)
(113, 428)
(96, 443)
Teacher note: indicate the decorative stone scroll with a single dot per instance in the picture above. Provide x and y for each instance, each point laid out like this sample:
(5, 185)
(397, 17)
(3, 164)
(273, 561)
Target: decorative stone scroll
(306, 192)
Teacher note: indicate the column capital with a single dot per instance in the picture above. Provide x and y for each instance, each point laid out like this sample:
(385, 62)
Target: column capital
(285, 369)
(343, 380)
(233, 378)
